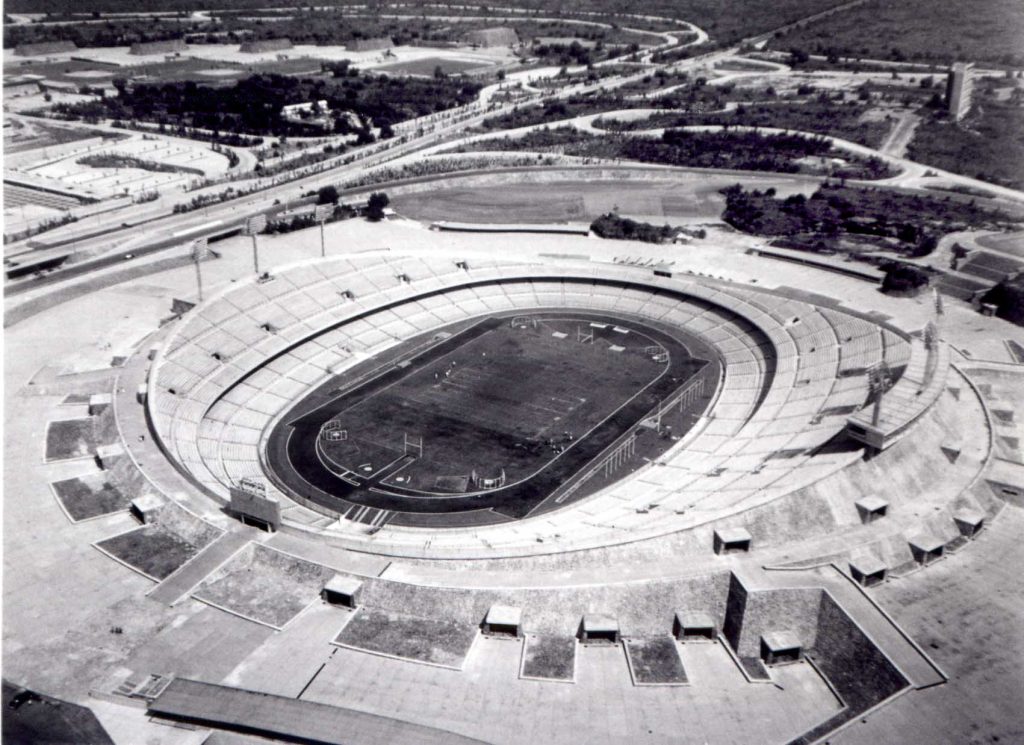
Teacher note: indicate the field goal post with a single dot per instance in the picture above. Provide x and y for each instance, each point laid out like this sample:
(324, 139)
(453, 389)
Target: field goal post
(656, 352)
(333, 432)
(584, 336)
(412, 445)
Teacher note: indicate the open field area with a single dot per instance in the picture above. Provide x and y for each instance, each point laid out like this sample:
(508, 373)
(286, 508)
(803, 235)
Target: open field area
(984, 31)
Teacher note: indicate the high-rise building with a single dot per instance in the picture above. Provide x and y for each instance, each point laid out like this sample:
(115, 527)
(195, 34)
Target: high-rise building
(959, 89)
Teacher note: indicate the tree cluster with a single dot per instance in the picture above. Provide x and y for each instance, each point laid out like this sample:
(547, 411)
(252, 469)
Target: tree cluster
(612, 226)
(254, 105)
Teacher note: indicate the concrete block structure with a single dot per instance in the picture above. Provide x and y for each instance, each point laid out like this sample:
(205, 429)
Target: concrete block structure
(926, 548)
(690, 626)
(98, 402)
(259, 46)
(599, 628)
(107, 454)
(732, 540)
(868, 571)
(144, 508)
(146, 48)
(969, 521)
(343, 591)
(501, 36)
(377, 44)
(872, 508)
(503, 620)
(778, 647)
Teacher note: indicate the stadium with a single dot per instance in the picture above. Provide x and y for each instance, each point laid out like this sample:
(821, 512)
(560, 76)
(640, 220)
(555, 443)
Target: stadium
(525, 473)
(661, 398)
(251, 386)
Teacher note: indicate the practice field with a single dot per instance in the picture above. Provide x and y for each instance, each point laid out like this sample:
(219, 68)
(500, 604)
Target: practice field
(427, 66)
(687, 196)
(493, 419)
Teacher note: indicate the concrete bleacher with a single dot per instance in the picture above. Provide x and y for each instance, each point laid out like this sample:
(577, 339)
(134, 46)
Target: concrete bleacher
(783, 394)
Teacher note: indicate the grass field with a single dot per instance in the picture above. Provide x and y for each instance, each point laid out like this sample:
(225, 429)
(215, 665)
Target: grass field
(981, 30)
(70, 438)
(549, 657)
(154, 552)
(655, 661)
(1010, 243)
(89, 496)
(160, 547)
(426, 66)
(434, 640)
(265, 585)
(570, 201)
(510, 399)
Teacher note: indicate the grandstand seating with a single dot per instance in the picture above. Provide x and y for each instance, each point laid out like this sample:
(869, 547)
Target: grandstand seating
(794, 373)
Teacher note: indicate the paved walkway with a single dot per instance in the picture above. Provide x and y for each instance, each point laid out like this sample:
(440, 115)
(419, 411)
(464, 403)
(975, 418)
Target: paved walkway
(177, 586)
(141, 446)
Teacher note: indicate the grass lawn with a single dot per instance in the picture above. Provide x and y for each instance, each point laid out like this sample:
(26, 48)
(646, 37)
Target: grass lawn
(152, 551)
(70, 438)
(988, 144)
(76, 398)
(87, 497)
(655, 661)
(266, 585)
(427, 65)
(433, 640)
(549, 657)
(981, 30)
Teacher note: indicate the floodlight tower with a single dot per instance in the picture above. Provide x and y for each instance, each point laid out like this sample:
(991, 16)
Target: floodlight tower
(200, 250)
(879, 382)
(322, 212)
(253, 226)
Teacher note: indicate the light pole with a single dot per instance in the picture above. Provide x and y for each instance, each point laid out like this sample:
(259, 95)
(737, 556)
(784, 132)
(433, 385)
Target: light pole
(253, 226)
(322, 212)
(199, 252)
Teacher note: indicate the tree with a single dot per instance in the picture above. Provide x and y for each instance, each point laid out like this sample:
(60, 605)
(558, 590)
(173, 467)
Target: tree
(903, 278)
(375, 205)
(327, 195)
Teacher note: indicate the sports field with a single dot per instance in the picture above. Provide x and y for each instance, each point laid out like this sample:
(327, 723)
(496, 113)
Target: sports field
(507, 401)
(426, 66)
(492, 419)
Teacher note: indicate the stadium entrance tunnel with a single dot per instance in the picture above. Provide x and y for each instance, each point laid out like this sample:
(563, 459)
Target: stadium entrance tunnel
(494, 420)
